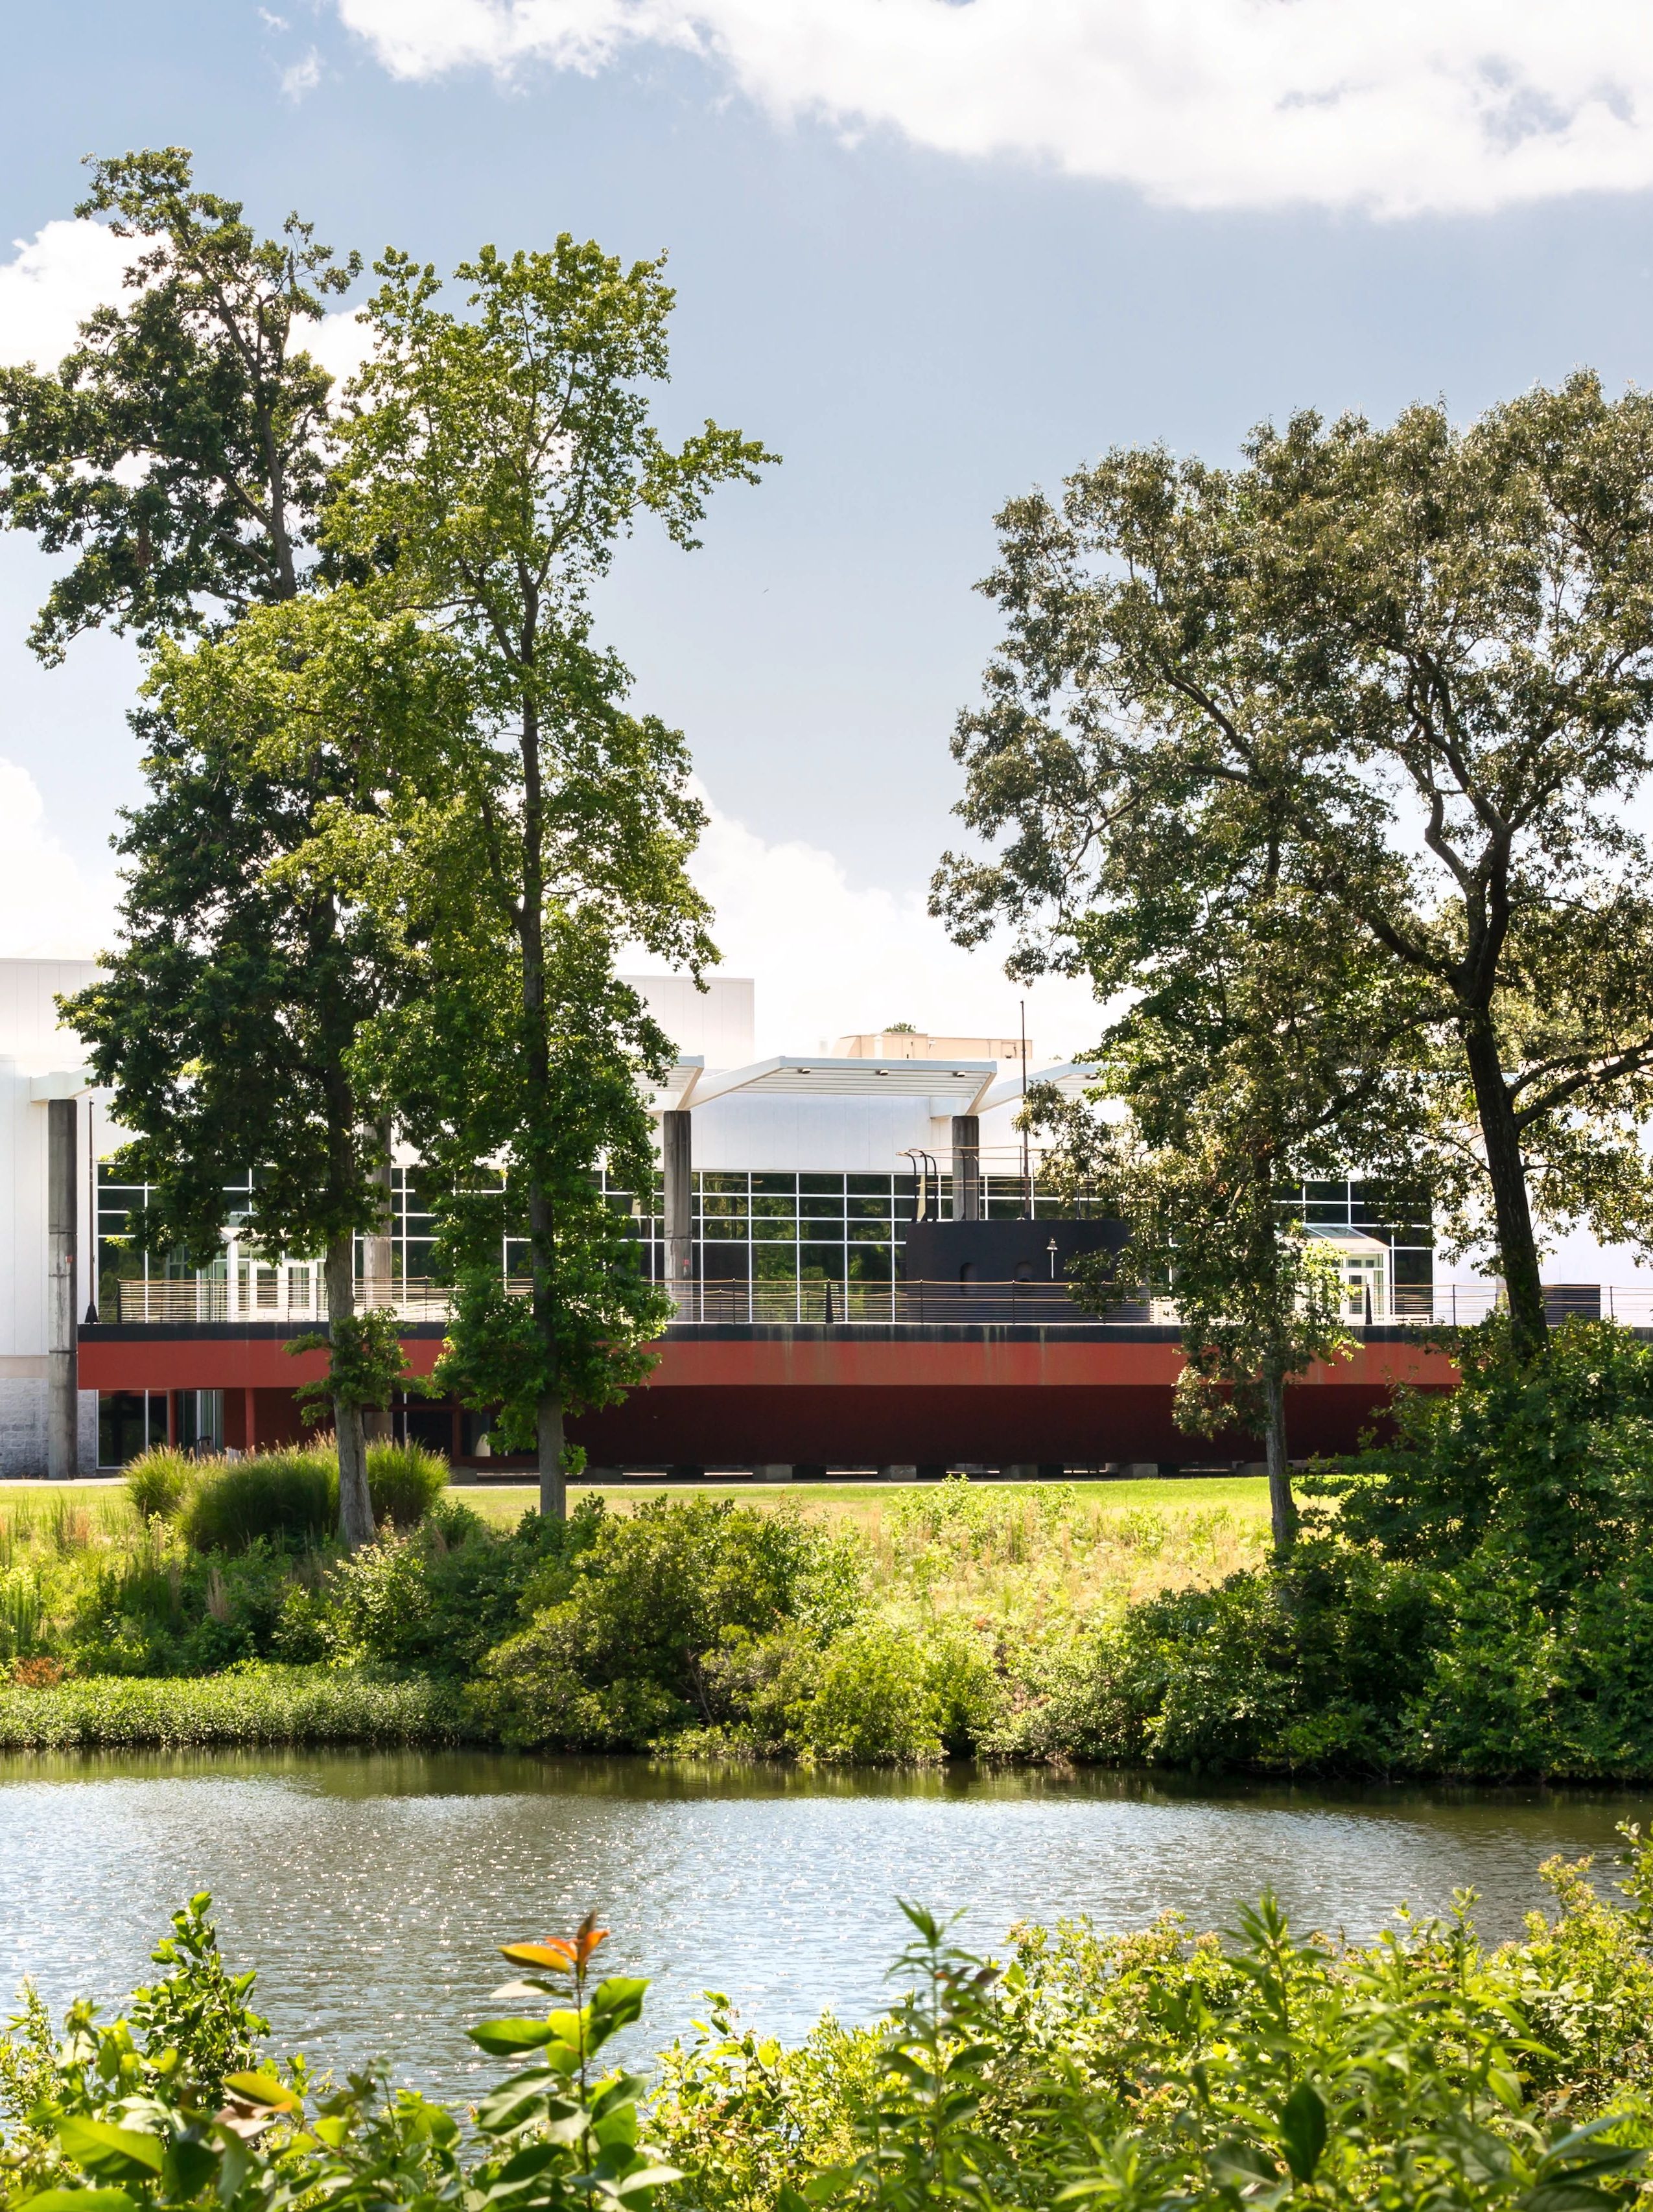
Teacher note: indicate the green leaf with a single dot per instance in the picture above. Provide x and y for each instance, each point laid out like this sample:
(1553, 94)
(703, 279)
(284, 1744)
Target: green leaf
(78, 2200)
(191, 2167)
(1302, 2130)
(531, 2158)
(262, 2089)
(615, 2004)
(1244, 2163)
(521, 2099)
(648, 2176)
(1565, 2196)
(503, 2037)
(120, 2154)
(624, 2089)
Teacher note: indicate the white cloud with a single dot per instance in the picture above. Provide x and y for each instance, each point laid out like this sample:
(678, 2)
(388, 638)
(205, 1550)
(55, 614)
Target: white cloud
(48, 908)
(832, 960)
(1407, 107)
(55, 280)
(302, 76)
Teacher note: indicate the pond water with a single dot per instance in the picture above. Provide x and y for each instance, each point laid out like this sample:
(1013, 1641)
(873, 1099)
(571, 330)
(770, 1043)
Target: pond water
(370, 1891)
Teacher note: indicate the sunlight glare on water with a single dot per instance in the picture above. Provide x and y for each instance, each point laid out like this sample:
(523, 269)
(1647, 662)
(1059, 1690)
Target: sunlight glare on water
(370, 1891)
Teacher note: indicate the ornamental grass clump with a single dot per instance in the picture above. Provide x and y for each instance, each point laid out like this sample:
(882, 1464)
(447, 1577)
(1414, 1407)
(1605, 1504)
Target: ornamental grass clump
(286, 1498)
(158, 1481)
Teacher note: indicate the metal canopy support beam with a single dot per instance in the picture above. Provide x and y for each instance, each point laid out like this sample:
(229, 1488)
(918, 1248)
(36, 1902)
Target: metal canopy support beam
(62, 1189)
(678, 1159)
(967, 1167)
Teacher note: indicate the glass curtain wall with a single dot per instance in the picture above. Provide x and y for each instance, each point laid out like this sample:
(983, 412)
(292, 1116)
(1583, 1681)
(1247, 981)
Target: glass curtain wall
(135, 1284)
(1356, 1206)
(779, 1246)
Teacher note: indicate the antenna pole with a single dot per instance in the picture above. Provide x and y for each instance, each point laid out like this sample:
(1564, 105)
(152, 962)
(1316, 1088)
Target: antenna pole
(1027, 1175)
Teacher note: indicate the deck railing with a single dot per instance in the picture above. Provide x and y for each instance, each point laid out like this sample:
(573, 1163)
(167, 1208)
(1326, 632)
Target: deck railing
(296, 1294)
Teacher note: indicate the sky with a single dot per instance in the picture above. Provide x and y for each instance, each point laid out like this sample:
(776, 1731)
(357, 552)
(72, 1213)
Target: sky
(934, 252)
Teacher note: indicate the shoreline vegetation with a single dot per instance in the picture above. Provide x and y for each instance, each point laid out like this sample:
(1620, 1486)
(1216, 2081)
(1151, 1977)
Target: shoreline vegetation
(1157, 2068)
(1474, 1602)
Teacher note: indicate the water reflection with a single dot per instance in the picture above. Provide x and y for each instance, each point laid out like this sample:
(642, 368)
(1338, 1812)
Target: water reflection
(370, 1890)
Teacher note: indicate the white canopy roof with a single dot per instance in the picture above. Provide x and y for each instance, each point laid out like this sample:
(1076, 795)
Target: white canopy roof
(1069, 1076)
(953, 1086)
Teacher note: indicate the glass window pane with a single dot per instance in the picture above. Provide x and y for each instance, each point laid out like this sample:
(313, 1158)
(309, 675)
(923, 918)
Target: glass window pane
(120, 1426)
(773, 1232)
(816, 1261)
(822, 1209)
(868, 1186)
(774, 1186)
(821, 1185)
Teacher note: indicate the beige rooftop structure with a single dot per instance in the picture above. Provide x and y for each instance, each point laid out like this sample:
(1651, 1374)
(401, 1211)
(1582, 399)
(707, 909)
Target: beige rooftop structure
(917, 1044)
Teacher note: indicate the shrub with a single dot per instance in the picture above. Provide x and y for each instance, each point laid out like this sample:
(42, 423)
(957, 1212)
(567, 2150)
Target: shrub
(161, 1609)
(629, 1616)
(288, 1498)
(436, 1599)
(158, 1481)
(887, 1694)
(404, 1481)
(249, 1704)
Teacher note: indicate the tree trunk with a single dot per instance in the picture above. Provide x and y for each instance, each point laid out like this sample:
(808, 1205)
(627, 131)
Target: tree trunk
(355, 1521)
(1507, 1172)
(553, 1482)
(542, 1223)
(1282, 1506)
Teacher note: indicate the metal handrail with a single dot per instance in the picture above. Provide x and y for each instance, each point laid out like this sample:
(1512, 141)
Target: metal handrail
(301, 1300)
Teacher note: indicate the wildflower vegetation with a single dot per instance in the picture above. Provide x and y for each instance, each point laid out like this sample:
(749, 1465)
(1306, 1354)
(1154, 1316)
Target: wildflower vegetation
(1149, 2070)
(1474, 1600)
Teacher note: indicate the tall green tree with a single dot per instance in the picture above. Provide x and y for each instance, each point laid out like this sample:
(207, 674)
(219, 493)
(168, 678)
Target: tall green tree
(496, 458)
(180, 452)
(1417, 662)
(1270, 1052)
(228, 1020)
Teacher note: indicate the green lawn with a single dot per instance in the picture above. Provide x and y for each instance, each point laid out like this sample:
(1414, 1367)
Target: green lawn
(103, 1499)
(1242, 1493)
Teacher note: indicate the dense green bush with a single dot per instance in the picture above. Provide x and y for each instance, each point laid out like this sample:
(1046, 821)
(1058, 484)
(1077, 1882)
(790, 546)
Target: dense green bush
(628, 1623)
(434, 1601)
(1476, 1599)
(160, 1609)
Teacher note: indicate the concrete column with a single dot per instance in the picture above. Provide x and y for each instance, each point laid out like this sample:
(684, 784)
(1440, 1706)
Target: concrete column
(376, 1244)
(967, 1167)
(677, 1158)
(62, 1189)
(376, 1289)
